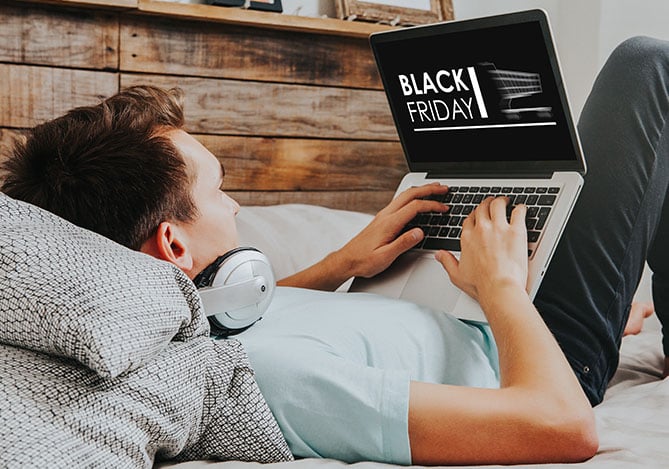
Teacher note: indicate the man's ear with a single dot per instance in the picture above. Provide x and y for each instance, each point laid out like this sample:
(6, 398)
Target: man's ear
(168, 243)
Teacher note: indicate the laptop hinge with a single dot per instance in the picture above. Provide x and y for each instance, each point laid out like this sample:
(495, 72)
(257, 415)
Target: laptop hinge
(482, 175)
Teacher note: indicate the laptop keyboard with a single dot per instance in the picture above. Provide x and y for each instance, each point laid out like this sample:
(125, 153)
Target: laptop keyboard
(442, 230)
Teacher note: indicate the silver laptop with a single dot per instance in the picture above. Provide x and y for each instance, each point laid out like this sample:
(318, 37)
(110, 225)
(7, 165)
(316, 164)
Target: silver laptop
(480, 106)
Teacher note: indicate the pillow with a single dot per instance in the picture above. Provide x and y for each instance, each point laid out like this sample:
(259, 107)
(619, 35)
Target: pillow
(195, 399)
(70, 292)
(294, 236)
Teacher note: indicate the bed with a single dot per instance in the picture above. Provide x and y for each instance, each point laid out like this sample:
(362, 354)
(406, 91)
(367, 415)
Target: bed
(132, 339)
(632, 420)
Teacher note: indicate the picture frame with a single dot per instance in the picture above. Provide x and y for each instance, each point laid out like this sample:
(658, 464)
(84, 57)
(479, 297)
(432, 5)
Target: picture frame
(265, 5)
(395, 12)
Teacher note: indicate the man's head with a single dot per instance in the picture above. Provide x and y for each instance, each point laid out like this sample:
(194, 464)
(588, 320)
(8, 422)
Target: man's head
(127, 170)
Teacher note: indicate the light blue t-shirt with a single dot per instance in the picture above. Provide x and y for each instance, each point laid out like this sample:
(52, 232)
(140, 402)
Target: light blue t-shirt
(335, 368)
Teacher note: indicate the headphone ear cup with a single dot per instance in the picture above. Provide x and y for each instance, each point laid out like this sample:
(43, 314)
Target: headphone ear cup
(238, 290)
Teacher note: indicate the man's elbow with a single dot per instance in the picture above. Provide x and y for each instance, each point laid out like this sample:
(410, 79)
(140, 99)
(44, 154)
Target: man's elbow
(574, 435)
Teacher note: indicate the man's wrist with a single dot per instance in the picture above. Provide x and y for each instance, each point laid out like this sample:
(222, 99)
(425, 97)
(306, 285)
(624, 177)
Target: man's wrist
(340, 265)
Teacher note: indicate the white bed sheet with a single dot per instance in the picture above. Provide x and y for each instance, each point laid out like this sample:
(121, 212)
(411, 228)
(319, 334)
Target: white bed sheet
(633, 420)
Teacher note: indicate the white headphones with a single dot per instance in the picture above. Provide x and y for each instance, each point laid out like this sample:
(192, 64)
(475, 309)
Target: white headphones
(236, 290)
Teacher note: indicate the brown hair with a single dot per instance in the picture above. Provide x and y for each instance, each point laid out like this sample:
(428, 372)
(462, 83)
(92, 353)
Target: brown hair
(108, 168)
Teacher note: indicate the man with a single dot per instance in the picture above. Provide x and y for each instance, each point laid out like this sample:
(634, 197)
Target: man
(522, 397)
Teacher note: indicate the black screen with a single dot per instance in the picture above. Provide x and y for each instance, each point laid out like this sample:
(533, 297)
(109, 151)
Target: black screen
(487, 95)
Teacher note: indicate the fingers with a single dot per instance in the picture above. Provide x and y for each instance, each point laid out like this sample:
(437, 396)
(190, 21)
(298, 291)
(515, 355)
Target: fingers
(495, 209)
(518, 216)
(448, 261)
(404, 242)
(414, 193)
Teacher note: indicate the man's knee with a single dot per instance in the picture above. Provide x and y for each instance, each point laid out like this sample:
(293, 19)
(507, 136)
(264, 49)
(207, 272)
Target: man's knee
(641, 54)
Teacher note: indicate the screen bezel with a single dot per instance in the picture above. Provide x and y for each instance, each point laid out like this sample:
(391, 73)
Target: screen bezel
(576, 161)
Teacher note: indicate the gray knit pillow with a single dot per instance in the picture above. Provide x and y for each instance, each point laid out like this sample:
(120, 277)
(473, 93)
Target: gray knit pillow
(71, 292)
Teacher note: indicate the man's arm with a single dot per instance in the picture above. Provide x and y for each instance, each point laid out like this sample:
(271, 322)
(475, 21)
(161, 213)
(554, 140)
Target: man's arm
(540, 413)
(376, 246)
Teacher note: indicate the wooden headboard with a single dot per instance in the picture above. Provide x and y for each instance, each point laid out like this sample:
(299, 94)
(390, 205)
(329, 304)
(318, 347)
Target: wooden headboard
(293, 106)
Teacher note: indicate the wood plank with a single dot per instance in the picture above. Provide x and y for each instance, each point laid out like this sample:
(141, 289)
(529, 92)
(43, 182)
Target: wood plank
(165, 46)
(65, 37)
(362, 201)
(284, 164)
(105, 4)
(261, 19)
(30, 95)
(7, 139)
(267, 109)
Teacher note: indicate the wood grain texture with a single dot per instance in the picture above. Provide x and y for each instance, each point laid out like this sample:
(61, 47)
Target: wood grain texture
(296, 113)
(270, 109)
(7, 139)
(47, 35)
(164, 46)
(30, 95)
(281, 164)
(260, 19)
(367, 202)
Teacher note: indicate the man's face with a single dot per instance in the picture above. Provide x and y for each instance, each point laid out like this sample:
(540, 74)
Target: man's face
(214, 231)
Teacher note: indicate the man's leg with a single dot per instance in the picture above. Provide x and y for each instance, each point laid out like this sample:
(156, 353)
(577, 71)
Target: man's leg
(586, 294)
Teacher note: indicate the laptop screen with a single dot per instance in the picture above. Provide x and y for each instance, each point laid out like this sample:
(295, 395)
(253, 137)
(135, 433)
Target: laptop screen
(477, 95)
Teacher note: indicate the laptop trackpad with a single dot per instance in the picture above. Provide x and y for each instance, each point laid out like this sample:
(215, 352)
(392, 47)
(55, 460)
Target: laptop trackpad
(429, 285)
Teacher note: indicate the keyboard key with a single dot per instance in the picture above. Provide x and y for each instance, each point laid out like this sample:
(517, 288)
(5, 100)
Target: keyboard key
(506, 190)
(553, 190)
(533, 236)
(442, 243)
(531, 200)
(543, 216)
(517, 190)
(529, 190)
(546, 199)
(542, 190)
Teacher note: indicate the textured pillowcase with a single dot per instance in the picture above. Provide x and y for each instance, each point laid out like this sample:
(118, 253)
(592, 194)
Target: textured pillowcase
(195, 399)
(71, 292)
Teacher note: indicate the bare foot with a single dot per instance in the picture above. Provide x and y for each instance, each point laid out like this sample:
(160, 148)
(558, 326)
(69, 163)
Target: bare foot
(638, 312)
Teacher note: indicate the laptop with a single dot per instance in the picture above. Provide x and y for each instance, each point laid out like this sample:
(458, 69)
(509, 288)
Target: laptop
(479, 105)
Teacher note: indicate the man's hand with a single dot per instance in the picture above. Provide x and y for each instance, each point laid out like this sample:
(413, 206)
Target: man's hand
(380, 243)
(376, 246)
(494, 251)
